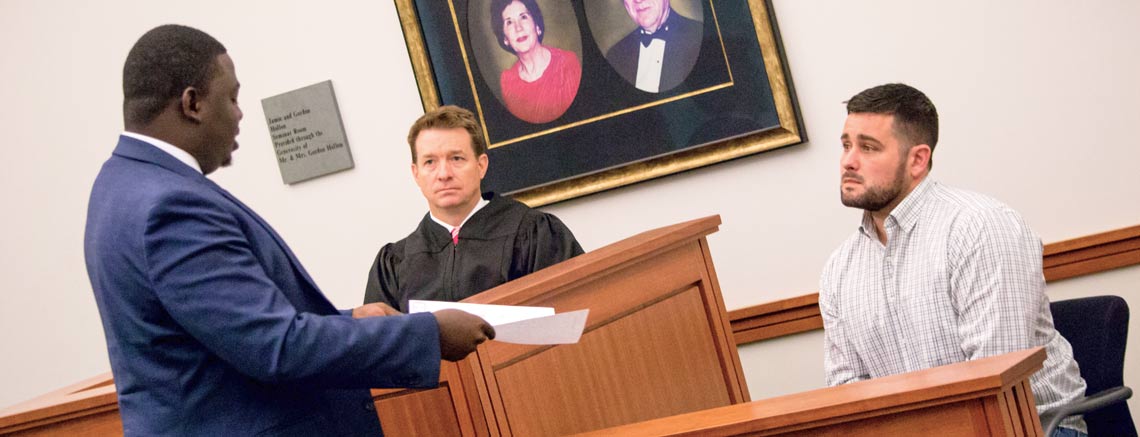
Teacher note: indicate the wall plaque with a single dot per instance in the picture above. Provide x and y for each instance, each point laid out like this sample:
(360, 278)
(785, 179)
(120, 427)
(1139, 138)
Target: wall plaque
(307, 132)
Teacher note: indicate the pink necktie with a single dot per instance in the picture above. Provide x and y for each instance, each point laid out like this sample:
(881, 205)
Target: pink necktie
(455, 235)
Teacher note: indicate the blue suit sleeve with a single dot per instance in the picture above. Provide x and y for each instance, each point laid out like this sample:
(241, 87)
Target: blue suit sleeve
(209, 278)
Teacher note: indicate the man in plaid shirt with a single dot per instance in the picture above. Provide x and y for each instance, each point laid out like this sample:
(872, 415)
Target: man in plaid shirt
(934, 275)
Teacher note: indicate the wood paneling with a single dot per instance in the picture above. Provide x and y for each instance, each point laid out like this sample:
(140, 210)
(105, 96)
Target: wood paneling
(67, 411)
(101, 423)
(1065, 259)
(657, 340)
(422, 412)
(637, 286)
(775, 319)
(1092, 254)
(438, 411)
(961, 399)
(598, 373)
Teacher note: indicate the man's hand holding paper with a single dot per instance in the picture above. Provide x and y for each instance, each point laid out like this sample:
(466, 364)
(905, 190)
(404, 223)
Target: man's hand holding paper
(518, 324)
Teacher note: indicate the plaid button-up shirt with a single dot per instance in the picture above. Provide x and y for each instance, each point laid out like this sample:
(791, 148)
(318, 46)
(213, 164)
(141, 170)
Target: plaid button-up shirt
(960, 278)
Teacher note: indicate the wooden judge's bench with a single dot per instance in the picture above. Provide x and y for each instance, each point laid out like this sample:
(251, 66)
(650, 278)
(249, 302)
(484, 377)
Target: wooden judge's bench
(656, 358)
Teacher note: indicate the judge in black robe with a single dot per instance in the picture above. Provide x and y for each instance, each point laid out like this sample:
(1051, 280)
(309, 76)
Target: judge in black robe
(503, 241)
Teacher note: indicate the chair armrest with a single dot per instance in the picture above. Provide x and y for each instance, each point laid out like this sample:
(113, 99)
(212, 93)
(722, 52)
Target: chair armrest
(1084, 405)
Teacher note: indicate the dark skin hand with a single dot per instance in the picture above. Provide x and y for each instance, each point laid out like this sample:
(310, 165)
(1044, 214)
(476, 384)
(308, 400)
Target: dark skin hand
(460, 332)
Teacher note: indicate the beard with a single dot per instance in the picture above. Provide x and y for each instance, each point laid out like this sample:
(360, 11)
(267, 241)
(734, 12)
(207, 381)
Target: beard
(229, 158)
(875, 198)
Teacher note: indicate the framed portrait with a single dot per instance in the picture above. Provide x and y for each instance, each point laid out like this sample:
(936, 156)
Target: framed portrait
(577, 97)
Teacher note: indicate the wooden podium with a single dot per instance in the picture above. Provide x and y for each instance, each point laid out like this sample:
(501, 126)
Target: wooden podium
(657, 343)
(986, 397)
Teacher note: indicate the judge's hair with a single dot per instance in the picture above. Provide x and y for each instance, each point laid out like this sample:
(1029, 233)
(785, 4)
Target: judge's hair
(161, 65)
(915, 118)
(497, 7)
(448, 117)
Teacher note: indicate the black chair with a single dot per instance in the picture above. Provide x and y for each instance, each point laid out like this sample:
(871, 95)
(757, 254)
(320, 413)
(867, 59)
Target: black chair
(1097, 327)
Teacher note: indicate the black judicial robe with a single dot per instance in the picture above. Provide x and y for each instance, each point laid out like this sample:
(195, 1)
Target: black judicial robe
(503, 241)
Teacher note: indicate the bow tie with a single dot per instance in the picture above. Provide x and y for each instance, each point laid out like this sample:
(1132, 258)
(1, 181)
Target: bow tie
(647, 38)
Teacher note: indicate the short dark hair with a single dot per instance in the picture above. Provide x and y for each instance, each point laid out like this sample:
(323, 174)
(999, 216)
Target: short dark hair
(497, 7)
(916, 119)
(161, 65)
(448, 117)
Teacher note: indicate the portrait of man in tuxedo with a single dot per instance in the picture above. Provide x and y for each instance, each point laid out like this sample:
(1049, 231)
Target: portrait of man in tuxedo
(660, 53)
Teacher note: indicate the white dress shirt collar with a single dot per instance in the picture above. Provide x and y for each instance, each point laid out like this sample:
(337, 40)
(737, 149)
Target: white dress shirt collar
(478, 206)
(170, 149)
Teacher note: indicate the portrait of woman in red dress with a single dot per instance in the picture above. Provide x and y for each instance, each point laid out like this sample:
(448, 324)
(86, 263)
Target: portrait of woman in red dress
(542, 83)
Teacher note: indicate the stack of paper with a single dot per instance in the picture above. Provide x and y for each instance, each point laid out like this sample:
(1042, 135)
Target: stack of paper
(518, 324)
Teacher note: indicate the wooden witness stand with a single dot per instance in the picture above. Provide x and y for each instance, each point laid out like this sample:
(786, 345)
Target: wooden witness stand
(985, 397)
(657, 343)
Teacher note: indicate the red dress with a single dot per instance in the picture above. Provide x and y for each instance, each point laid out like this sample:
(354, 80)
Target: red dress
(548, 97)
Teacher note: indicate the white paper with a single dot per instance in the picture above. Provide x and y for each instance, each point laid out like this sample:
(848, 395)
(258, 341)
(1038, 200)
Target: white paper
(517, 324)
(564, 328)
(494, 314)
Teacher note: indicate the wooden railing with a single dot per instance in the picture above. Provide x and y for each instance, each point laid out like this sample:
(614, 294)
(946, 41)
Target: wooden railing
(1066, 259)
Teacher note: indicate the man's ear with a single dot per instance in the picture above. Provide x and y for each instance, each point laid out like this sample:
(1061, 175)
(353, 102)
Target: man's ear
(483, 162)
(190, 103)
(919, 159)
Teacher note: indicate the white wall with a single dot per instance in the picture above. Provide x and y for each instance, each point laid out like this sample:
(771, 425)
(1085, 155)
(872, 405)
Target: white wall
(1037, 101)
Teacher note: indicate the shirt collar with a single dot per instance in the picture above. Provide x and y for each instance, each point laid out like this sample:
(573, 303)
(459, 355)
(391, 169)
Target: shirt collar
(478, 206)
(170, 149)
(906, 213)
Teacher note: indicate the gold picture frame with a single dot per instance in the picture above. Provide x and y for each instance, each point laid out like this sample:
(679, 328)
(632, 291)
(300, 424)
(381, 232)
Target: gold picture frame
(455, 69)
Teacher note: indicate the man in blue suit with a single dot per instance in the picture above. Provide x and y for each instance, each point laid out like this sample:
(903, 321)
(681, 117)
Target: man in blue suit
(213, 327)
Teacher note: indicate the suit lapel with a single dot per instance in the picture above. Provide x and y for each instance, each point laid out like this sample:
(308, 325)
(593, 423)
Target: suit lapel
(265, 225)
(138, 150)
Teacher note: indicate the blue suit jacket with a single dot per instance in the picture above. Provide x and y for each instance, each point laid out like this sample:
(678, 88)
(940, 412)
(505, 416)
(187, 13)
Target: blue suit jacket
(212, 325)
